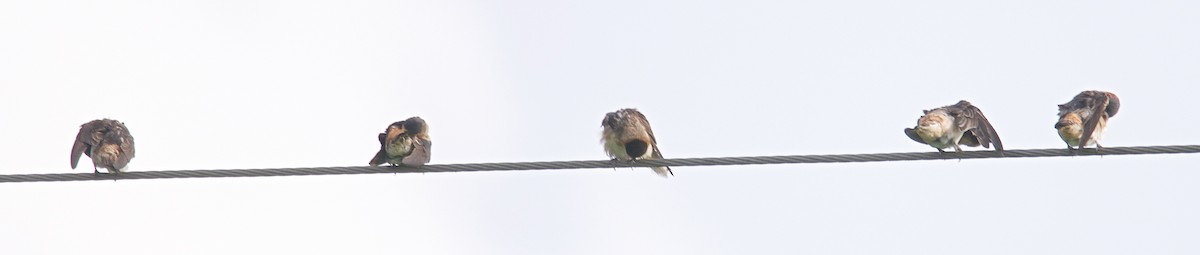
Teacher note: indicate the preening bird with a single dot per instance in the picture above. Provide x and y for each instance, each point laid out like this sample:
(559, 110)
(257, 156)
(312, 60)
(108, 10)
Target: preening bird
(954, 125)
(1087, 113)
(627, 136)
(107, 142)
(404, 142)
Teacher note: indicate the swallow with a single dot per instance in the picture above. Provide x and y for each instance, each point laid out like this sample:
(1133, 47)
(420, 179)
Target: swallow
(627, 136)
(1087, 113)
(954, 125)
(404, 142)
(107, 142)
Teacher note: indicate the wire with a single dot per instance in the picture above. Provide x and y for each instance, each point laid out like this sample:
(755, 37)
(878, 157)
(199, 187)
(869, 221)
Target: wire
(551, 165)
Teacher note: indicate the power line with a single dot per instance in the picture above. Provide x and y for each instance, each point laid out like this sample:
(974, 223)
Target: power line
(551, 165)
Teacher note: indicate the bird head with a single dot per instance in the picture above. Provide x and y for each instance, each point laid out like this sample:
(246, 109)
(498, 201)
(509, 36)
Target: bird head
(113, 136)
(1114, 104)
(394, 130)
(108, 131)
(932, 120)
(415, 126)
(612, 120)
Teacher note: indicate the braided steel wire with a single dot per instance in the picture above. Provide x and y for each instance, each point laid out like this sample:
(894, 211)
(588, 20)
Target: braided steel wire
(552, 165)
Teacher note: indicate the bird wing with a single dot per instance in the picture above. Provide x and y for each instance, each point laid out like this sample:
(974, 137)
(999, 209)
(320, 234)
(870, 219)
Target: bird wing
(970, 118)
(912, 134)
(969, 139)
(83, 143)
(655, 153)
(1097, 103)
(380, 156)
(421, 153)
(77, 152)
(645, 124)
(126, 146)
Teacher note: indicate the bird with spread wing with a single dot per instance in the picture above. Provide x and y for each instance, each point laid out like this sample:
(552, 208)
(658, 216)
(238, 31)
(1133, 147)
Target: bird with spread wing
(954, 125)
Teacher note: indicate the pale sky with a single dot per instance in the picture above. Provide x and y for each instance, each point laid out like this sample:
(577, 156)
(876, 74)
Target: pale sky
(258, 84)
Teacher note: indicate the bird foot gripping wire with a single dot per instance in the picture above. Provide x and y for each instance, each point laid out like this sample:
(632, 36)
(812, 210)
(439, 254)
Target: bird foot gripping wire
(396, 168)
(114, 174)
(614, 163)
(392, 167)
(942, 155)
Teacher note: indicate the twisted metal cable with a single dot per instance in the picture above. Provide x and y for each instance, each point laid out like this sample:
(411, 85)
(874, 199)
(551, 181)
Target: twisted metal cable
(550, 165)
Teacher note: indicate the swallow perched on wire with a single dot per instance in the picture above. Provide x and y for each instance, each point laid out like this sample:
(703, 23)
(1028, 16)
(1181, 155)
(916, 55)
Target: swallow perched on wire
(954, 125)
(107, 142)
(1087, 113)
(404, 142)
(627, 136)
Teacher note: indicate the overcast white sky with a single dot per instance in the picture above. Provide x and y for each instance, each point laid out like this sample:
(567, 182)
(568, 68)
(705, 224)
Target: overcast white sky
(255, 84)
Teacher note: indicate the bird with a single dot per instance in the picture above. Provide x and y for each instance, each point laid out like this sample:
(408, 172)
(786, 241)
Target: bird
(108, 142)
(1087, 113)
(627, 136)
(404, 142)
(954, 125)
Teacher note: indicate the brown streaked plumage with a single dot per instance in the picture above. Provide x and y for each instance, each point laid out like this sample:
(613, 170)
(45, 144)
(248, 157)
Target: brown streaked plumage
(108, 142)
(1087, 113)
(952, 125)
(627, 136)
(404, 142)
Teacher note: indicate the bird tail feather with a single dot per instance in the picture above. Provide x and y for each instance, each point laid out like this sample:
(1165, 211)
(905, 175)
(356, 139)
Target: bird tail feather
(663, 171)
